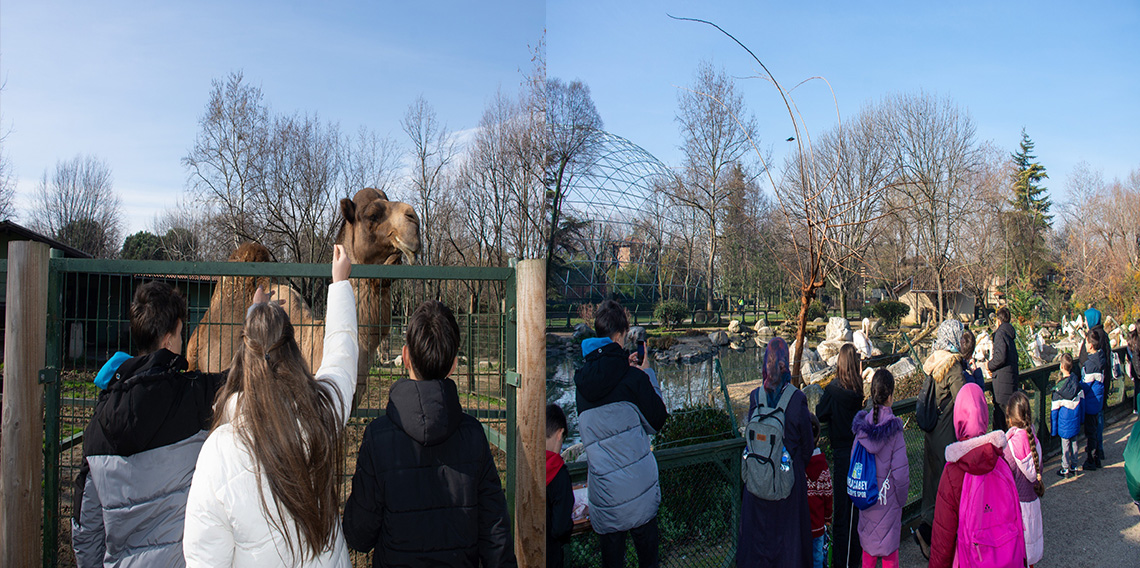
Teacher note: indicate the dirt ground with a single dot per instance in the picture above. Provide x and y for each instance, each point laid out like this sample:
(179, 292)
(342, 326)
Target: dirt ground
(1090, 520)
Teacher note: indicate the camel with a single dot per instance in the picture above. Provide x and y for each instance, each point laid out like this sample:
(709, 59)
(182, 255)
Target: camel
(374, 231)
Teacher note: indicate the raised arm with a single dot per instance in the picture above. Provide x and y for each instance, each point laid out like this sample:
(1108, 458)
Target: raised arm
(342, 346)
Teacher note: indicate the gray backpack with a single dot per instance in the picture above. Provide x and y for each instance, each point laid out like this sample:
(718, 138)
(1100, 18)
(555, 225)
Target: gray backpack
(767, 467)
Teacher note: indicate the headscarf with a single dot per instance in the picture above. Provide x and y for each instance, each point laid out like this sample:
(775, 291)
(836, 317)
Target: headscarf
(775, 355)
(1092, 317)
(949, 336)
(971, 415)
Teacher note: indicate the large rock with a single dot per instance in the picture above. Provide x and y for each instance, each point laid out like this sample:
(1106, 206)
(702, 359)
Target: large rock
(813, 392)
(734, 326)
(636, 334)
(760, 324)
(903, 368)
(765, 331)
(838, 329)
(808, 368)
(809, 353)
(583, 331)
(829, 349)
(719, 338)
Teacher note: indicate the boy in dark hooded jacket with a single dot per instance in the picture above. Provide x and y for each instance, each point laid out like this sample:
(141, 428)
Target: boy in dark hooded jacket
(426, 491)
(559, 491)
(1068, 413)
(619, 406)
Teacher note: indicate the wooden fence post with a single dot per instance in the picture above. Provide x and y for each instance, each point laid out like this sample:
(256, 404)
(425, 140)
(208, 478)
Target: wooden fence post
(22, 430)
(530, 459)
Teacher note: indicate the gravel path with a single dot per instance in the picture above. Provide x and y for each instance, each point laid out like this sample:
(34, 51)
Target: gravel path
(1090, 521)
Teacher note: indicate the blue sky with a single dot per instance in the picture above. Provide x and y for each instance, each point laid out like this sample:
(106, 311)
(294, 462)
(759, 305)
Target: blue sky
(128, 82)
(1068, 72)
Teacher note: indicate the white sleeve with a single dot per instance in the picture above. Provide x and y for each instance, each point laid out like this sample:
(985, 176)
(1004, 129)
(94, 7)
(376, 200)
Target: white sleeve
(342, 346)
(208, 539)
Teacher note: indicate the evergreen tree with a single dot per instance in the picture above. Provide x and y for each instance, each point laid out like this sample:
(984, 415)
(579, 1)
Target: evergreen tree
(1029, 220)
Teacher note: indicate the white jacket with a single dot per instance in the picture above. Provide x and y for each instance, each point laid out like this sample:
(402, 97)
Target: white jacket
(226, 524)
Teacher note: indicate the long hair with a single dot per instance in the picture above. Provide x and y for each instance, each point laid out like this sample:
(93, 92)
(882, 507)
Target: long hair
(290, 423)
(847, 370)
(882, 388)
(1020, 414)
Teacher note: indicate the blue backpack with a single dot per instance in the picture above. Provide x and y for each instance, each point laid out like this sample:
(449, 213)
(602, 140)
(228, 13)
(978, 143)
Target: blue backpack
(862, 479)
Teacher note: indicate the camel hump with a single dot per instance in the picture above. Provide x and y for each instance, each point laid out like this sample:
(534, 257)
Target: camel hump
(251, 252)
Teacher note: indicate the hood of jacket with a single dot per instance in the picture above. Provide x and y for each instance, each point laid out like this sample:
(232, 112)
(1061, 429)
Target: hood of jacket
(149, 372)
(427, 411)
(978, 455)
(1069, 388)
(1092, 316)
(608, 364)
(940, 363)
(103, 379)
(875, 436)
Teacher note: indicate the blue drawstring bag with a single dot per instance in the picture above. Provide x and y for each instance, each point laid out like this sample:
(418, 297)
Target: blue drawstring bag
(862, 479)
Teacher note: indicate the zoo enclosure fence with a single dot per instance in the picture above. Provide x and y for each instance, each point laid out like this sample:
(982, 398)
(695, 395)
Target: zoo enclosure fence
(87, 321)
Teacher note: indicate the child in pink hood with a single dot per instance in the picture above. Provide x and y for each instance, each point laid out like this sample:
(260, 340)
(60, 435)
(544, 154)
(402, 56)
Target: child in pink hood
(975, 454)
(880, 432)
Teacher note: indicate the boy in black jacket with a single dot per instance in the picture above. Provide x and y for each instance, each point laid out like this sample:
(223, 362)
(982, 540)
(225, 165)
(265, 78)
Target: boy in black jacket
(559, 492)
(426, 491)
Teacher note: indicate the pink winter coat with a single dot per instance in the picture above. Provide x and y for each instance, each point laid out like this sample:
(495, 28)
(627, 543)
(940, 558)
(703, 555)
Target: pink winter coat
(1019, 456)
(881, 523)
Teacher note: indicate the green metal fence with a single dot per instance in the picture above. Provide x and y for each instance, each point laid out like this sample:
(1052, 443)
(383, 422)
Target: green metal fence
(88, 320)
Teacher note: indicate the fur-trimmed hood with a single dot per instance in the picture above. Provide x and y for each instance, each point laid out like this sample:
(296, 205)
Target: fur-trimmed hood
(978, 455)
(875, 436)
(940, 363)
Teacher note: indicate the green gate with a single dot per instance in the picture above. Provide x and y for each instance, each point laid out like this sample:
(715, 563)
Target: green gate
(88, 321)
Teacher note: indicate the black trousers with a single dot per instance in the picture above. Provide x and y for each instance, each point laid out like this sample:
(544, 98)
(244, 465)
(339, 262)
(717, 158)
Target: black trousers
(845, 548)
(999, 418)
(646, 540)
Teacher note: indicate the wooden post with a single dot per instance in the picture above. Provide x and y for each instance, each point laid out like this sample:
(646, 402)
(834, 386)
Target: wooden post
(22, 431)
(530, 459)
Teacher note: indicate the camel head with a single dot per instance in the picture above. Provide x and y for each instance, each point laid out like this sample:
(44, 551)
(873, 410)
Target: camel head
(378, 231)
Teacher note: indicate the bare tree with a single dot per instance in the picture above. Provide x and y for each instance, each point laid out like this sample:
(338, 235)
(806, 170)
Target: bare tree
(937, 157)
(182, 232)
(432, 151)
(7, 182)
(77, 205)
(368, 160)
(982, 242)
(226, 166)
(717, 131)
(573, 138)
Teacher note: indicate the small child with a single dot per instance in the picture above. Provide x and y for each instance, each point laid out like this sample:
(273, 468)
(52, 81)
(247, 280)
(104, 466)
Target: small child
(820, 500)
(1093, 387)
(426, 490)
(559, 492)
(880, 432)
(1023, 454)
(1067, 414)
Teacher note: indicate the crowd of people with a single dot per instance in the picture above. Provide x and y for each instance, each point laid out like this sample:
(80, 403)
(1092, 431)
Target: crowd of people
(242, 468)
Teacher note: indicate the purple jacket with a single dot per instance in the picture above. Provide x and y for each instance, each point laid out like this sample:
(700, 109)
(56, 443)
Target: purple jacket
(881, 523)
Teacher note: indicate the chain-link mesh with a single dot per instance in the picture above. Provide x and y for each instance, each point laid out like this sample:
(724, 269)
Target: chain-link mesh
(93, 313)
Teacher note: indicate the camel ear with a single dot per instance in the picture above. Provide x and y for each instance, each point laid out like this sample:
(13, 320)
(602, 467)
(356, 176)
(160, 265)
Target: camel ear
(381, 194)
(348, 209)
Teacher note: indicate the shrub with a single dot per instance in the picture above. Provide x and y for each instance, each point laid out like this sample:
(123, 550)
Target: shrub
(670, 313)
(891, 312)
(790, 310)
(694, 425)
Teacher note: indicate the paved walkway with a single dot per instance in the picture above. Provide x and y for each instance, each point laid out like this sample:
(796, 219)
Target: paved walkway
(1090, 521)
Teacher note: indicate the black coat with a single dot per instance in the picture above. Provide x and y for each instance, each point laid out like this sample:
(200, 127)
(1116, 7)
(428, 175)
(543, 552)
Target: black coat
(151, 402)
(426, 491)
(1003, 364)
(1104, 347)
(559, 520)
(607, 377)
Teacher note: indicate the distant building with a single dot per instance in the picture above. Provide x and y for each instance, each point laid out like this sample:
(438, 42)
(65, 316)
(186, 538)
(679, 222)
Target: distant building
(921, 294)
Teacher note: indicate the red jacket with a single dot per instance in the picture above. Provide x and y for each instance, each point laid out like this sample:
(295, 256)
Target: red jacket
(819, 493)
(977, 456)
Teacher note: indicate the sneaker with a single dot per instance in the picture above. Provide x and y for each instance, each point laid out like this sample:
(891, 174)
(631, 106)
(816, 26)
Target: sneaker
(1063, 472)
(1088, 466)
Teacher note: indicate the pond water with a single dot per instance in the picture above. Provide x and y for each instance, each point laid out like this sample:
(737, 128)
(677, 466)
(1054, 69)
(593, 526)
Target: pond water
(681, 385)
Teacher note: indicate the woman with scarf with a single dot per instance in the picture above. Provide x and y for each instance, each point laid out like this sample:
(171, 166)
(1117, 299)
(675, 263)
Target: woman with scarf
(778, 533)
(944, 366)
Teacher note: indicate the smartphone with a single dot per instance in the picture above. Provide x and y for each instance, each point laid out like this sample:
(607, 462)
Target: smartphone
(640, 352)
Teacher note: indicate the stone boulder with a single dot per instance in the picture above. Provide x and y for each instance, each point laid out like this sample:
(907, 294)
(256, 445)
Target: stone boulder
(583, 331)
(809, 368)
(765, 331)
(817, 320)
(734, 326)
(903, 368)
(829, 349)
(636, 334)
(719, 338)
(809, 353)
(813, 392)
(760, 324)
(838, 329)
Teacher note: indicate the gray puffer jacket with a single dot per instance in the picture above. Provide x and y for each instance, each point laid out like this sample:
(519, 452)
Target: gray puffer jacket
(619, 406)
(140, 451)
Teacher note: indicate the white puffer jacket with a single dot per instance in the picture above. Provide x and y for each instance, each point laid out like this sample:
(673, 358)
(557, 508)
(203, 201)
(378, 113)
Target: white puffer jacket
(226, 524)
